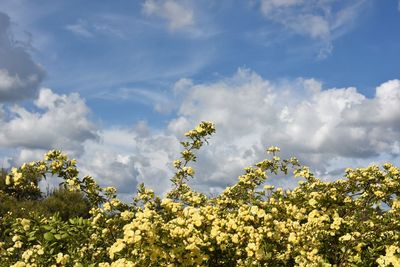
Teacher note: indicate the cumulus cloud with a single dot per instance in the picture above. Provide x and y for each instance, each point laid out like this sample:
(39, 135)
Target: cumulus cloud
(319, 126)
(20, 76)
(320, 20)
(175, 13)
(61, 122)
(326, 128)
(124, 157)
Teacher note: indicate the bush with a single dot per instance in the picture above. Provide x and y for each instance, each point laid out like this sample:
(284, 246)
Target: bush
(66, 203)
(30, 201)
(353, 221)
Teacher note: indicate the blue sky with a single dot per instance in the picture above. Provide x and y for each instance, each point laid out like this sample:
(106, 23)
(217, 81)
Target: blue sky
(120, 81)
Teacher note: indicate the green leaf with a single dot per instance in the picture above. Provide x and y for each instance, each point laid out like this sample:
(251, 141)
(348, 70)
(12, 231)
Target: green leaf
(47, 227)
(64, 236)
(48, 236)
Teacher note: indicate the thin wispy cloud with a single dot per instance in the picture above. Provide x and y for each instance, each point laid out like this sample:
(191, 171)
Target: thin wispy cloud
(80, 28)
(186, 19)
(319, 20)
(174, 12)
(99, 26)
(161, 101)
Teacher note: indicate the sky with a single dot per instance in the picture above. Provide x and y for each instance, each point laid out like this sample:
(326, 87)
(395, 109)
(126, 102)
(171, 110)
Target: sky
(116, 84)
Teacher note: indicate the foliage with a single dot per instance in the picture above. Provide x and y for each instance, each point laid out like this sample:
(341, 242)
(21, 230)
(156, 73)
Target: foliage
(354, 221)
(67, 204)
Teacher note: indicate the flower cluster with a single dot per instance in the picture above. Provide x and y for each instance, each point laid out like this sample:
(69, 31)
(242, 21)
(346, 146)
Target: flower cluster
(354, 221)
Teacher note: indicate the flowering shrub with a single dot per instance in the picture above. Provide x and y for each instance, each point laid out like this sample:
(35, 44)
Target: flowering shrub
(354, 221)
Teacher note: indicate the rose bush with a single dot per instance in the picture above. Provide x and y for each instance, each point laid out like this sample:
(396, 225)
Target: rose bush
(354, 221)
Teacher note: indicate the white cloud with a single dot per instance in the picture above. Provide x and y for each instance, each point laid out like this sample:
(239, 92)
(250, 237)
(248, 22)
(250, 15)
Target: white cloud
(160, 100)
(19, 75)
(125, 157)
(318, 126)
(268, 6)
(320, 20)
(80, 28)
(14, 86)
(99, 25)
(329, 129)
(175, 13)
(62, 123)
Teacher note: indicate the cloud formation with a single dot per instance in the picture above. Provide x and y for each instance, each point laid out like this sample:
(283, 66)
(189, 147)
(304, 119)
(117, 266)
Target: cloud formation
(20, 76)
(320, 20)
(99, 26)
(160, 101)
(324, 128)
(125, 157)
(319, 126)
(60, 123)
(175, 13)
(80, 28)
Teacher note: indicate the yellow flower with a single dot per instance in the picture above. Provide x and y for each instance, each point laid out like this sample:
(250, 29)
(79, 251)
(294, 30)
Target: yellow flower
(269, 187)
(116, 247)
(126, 215)
(107, 206)
(273, 149)
(40, 251)
(235, 239)
(115, 202)
(346, 237)
(19, 264)
(177, 163)
(312, 202)
(189, 170)
(18, 244)
(25, 224)
(110, 190)
(8, 180)
(62, 259)
(17, 176)
(293, 238)
(391, 258)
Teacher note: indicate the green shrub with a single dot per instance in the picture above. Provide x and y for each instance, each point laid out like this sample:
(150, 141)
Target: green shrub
(68, 204)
